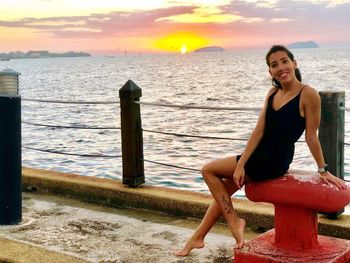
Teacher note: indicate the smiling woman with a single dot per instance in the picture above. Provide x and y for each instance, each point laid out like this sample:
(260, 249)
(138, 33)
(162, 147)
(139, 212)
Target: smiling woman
(182, 42)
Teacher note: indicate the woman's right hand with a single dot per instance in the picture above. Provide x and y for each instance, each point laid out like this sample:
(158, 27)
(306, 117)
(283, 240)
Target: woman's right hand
(330, 179)
(238, 176)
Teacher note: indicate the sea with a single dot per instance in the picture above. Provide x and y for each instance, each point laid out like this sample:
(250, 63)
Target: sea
(213, 79)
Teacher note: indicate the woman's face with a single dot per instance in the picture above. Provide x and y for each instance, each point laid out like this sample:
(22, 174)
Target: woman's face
(282, 68)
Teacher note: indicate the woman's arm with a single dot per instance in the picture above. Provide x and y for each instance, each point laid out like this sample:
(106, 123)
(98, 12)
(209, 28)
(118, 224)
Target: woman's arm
(312, 111)
(253, 141)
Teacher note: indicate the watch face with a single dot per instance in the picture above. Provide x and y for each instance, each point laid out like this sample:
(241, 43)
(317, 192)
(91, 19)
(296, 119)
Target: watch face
(323, 169)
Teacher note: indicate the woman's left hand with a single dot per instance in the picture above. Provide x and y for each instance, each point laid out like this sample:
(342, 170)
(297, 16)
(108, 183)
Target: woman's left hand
(329, 179)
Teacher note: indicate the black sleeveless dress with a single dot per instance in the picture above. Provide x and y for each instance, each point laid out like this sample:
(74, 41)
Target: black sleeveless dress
(275, 151)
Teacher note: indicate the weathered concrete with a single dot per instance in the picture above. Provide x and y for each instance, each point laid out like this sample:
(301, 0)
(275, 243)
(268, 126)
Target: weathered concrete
(59, 229)
(178, 203)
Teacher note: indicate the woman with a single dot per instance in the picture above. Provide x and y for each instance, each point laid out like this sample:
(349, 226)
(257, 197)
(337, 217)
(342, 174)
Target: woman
(290, 108)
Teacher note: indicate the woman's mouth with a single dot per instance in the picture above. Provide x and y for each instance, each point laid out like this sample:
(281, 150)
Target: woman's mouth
(283, 74)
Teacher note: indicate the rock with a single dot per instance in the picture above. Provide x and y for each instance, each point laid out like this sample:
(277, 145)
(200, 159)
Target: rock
(307, 44)
(210, 49)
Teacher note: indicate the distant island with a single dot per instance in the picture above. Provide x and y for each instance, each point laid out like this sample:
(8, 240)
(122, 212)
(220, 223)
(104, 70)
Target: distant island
(307, 44)
(210, 49)
(40, 54)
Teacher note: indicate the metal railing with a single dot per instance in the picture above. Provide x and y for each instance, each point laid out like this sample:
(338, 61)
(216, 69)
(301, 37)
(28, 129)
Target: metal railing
(133, 171)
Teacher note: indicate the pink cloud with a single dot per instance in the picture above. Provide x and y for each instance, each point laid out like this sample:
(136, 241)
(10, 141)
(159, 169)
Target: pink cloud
(296, 21)
(116, 23)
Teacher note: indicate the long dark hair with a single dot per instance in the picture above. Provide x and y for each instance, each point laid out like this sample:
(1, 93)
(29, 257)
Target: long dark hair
(274, 49)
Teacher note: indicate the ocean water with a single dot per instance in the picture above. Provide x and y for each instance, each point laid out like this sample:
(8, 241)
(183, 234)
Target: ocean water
(232, 79)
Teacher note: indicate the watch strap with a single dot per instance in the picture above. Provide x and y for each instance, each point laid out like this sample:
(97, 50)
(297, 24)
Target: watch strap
(323, 169)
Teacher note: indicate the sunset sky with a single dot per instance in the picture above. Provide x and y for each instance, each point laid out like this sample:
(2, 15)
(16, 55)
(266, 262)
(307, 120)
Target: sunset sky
(113, 26)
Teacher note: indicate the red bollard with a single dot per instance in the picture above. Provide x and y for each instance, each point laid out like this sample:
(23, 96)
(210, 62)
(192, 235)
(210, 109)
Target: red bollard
(297, 197)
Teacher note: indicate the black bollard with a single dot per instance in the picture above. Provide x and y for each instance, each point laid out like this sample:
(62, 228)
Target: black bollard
(331, 134)
(132, 139)
(10, 149)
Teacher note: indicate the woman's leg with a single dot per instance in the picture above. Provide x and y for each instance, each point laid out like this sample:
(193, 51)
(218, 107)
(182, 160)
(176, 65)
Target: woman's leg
(211, 216)
(223, 199)
(225, 167)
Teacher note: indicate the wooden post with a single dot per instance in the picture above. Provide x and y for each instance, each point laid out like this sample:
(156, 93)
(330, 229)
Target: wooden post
(331, 134)
(131, 129)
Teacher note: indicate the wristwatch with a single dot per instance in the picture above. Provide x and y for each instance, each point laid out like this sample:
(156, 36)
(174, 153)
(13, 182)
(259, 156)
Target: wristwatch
(323, 169)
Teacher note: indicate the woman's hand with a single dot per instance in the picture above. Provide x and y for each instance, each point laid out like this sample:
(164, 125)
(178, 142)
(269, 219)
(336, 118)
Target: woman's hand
(330, 179)
(238, 177)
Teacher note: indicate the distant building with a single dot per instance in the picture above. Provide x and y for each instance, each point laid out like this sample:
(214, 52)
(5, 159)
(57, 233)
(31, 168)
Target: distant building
(40, 54)
(37, 54)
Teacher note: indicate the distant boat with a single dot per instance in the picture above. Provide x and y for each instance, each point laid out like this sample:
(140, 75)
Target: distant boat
(109, 56)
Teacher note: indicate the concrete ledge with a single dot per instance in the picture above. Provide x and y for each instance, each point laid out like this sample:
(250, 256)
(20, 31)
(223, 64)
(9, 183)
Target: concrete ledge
(19, 252)
(170, 201)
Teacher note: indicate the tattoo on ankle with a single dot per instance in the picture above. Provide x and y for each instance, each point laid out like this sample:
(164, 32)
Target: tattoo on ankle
(227, 205)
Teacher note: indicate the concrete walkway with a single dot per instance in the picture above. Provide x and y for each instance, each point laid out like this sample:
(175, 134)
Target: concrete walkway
(56, 229)
(72, 218)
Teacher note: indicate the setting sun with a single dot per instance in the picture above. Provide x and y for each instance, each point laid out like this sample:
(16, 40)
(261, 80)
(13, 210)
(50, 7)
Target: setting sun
(183, 49)
(182, 41)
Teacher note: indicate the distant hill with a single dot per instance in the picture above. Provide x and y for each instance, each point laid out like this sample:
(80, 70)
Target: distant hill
(307, 44)
(210, 49)
(40, 54)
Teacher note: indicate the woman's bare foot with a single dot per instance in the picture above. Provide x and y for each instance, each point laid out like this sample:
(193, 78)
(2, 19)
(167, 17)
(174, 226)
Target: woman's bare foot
(238, 233)
(191, 244)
